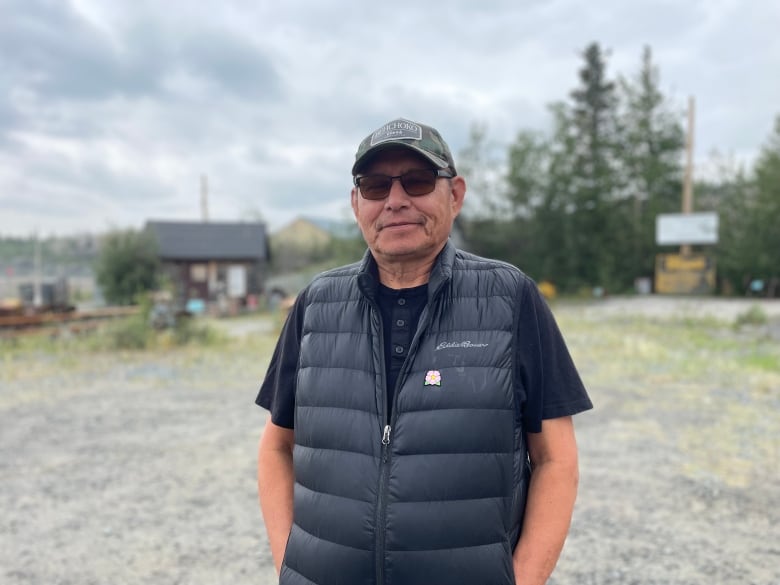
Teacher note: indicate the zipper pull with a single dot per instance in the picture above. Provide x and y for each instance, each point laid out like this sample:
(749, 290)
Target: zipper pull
(386, 436)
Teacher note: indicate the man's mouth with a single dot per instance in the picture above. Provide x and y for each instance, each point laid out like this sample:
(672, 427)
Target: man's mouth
(398, 224)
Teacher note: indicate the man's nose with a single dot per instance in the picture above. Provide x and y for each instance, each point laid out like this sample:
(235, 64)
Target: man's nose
(397, 196)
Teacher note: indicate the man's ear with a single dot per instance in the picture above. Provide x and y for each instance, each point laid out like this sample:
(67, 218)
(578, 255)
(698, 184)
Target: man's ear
(353, 201)
(458, 191)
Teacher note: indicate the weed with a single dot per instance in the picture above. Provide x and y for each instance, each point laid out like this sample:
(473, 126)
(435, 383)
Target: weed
(133, 333)
(755, 315)
(189, 331)
(768, 362)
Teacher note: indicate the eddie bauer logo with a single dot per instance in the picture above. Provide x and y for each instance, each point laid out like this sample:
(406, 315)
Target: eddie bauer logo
(463, 344)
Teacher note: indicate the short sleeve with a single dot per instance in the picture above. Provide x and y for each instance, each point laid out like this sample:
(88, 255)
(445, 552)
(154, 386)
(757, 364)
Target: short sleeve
(277, 392)
(548, 384)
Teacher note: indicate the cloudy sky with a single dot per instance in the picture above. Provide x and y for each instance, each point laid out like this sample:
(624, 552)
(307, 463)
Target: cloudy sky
(110, 111)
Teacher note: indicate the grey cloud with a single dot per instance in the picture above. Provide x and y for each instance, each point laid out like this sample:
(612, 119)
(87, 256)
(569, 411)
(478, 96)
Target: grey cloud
(133, 190)
(54, 51)
(190, 89)
(300, 193)
(236, 65)
(55, 178)
(43, 205)
(9, 120)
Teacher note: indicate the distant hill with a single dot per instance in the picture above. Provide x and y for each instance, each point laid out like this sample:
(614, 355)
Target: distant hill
(70, 258)
(337, 228)
(311, 240)
(61, 255)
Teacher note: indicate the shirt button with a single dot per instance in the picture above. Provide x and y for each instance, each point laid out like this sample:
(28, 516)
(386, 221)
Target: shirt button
(400, 322)
(399, 349)
(401, 301)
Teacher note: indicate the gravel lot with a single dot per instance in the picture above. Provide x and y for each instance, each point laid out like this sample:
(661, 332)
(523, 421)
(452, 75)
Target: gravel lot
(140, 468)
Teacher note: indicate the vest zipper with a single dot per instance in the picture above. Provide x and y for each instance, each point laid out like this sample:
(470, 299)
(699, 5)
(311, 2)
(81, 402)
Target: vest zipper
(385, 467)
(384, 480)
(381, 504)
(385, 441)
(384, 473)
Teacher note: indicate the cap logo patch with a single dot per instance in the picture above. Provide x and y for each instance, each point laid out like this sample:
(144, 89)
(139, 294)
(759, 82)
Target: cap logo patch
(397, 130)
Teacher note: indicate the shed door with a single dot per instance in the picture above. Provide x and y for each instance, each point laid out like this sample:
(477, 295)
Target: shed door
(236, 281)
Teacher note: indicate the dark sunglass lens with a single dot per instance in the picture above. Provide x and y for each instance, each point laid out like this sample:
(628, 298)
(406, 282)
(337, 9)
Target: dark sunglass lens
(374, 186)
(419, 182)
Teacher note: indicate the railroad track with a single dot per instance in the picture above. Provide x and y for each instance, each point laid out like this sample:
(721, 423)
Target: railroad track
(11, 325)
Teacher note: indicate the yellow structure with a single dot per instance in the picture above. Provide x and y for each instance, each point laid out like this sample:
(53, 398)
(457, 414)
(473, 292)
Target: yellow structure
(302, 234)
(548, 289)
(684, 274)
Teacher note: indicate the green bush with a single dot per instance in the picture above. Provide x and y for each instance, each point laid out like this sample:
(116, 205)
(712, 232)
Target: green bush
(133, 333)
(138, 332)
(128, 265)
(189, 331)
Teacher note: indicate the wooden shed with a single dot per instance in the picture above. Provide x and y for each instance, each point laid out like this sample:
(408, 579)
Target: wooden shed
(214, 264)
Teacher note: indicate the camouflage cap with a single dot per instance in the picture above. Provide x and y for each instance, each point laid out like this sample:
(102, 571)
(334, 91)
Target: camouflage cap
(420, 138)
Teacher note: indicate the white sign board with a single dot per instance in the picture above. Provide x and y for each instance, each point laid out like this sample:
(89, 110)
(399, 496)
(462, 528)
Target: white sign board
(686, 228)
(236, 281)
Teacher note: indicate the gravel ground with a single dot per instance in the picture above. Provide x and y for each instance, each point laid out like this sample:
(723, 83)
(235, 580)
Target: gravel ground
(141, 468)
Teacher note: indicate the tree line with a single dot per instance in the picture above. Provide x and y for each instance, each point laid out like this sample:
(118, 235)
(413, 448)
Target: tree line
(577, 206)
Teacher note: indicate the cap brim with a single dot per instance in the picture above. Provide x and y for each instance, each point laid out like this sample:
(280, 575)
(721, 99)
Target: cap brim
(372, 152)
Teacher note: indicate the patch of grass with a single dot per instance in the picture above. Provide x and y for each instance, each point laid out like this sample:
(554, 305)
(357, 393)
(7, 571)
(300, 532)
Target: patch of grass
(755, 315)
(137, 334)
(130, 334)
(763, 361)
(133, 333)
(712, 387)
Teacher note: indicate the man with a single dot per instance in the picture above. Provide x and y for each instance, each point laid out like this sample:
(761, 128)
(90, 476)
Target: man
(420, 400)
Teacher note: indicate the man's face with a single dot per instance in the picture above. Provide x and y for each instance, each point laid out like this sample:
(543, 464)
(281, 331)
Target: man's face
(401, 228)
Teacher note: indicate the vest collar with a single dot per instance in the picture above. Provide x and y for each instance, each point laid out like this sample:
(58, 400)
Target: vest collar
(368, 276)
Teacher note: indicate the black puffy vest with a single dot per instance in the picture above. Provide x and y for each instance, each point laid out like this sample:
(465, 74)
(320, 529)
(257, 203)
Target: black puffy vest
(436, 494)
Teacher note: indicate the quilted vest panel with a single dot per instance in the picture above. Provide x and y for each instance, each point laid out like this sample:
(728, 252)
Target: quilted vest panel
(442, 502)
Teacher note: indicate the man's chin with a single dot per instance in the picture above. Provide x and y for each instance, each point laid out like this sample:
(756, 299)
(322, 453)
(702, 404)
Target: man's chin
(401, 250)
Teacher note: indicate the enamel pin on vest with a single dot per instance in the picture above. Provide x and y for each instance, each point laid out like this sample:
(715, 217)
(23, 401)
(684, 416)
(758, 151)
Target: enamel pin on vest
(432, 378)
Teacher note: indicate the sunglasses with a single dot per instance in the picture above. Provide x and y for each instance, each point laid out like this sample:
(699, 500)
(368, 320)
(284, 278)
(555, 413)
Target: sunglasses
(415, 182)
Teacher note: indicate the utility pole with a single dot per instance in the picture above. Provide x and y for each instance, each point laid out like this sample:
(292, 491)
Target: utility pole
(204, 198)
(687, 195)
(37, 282)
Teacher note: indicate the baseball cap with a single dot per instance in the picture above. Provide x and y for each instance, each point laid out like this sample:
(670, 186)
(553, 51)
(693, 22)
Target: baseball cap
(420, 138)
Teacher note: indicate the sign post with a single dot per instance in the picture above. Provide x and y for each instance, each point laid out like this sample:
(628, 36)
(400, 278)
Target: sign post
(686, 272)
(687, 195)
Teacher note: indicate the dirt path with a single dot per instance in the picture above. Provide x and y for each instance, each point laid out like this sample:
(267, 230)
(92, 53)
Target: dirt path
(142, 469)
(135, 472)
(670, 307)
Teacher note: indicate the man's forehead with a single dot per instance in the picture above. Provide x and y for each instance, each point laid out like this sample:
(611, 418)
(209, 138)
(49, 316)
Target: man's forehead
(395, 155)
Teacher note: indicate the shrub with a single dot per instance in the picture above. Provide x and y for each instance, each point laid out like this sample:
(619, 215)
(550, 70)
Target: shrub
(128, 265)
(187, 331)
(133, 333)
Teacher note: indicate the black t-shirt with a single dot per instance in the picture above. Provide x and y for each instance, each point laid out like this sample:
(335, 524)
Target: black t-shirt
(400, 310)
(547, 385)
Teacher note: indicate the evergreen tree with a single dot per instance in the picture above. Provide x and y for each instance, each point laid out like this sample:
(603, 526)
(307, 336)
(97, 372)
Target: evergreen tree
(526, 179)
(479, 163)
(651, 161)
(766, 208)
(580, 204)
(750, 215)
(595, 229)
(728, 195)
(488, 219)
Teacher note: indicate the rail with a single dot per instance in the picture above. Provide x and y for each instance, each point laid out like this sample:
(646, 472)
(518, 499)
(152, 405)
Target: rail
(41, 320)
